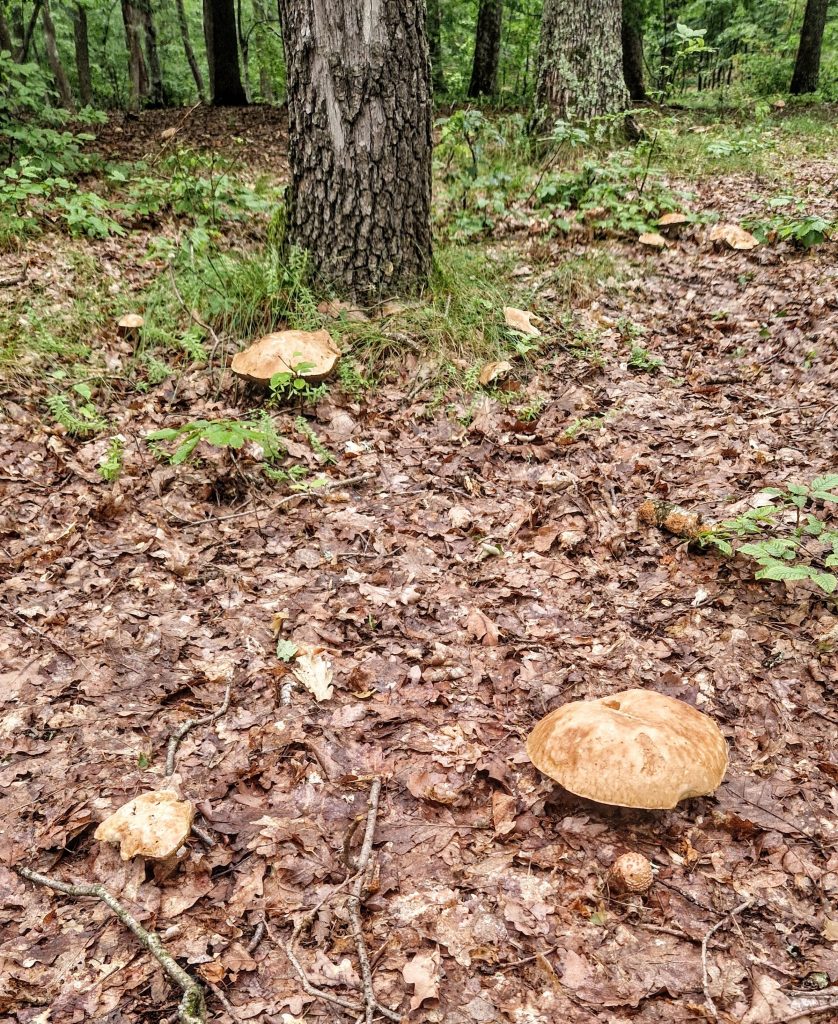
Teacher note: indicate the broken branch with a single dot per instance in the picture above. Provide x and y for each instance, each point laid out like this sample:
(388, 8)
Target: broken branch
(188, 726)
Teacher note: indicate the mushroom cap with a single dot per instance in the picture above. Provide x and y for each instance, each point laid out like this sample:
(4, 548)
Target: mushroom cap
(130, 320)
(153, 825)
(635, 748)
(631, 872)
(283, 351)
(669, 219)
(733, 236)
(652, 239)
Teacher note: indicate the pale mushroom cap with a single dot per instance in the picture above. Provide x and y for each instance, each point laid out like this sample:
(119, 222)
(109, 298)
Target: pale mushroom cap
(151, 825)
(635, 748)
(131, 320)
(672, 218)
(284, 351)
(631, 872)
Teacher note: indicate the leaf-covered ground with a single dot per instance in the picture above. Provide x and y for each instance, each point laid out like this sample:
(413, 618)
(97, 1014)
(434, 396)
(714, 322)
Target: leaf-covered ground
(485, 570)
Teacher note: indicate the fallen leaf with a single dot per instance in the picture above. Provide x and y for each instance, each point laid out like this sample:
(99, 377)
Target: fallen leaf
(830, 929)
(314, 671)
(460, 517)
(153, 825)
(481, 627)
(494, 371)
(503, 812)
(520, 320)
(422, 972)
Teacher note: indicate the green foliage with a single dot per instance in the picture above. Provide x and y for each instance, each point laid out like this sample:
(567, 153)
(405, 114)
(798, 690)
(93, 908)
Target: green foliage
(317, 446)
(286, 650)
(76, 411)
(226, 434)
(791, 223)
(110, 467)
(291, 384)
(793, 543)
(642, 361)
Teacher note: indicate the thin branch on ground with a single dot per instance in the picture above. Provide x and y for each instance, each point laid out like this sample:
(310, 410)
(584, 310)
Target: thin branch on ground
(188, 726)
(705, 977)
(174, 134)
(192, 1008)
(257, 937)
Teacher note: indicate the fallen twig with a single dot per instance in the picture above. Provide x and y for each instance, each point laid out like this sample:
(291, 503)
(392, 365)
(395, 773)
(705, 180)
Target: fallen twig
(257, 937)
(174, 134)
(188, 726)
(705, 978)
(192, 1007)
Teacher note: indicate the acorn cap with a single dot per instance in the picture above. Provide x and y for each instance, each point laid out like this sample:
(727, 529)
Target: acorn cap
(635, 748)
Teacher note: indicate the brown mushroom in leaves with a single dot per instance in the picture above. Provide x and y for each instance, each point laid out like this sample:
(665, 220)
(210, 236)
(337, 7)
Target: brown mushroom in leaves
(635, 748)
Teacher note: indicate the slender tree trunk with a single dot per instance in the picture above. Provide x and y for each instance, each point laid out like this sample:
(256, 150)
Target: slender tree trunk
(266, 85)
(57, 68)
(580, 73)
(633, 52)
(190, 53)
(807, 67)
(434, 31)
(26, 37)
(137, 73)
(156, 93)
(244, 46)
(484, 69)
(5, 35)
(80, 36)
(223, 54)
(359, 103)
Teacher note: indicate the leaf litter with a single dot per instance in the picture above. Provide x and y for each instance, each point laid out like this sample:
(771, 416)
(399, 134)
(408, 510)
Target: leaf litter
(489, 898)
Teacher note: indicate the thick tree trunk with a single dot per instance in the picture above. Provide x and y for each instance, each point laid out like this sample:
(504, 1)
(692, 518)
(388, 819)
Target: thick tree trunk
(633, 52)
(183, 24)
(59, 74)
(156, 93)
(137, 73)
(807, 67)
(580, 73)
(359, 103)
(484, 69)
(80, 37)
(434, 32)
(223, 54)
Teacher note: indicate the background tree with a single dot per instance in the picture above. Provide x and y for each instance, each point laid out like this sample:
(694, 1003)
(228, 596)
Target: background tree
(59, 74)
(632, 42)
(81, 41)
(808, 64)
(194, 67)
(580, 60)
(223, 54)
(137, 71)
(156, 96)
(434, 32)
(484, 71)
(359, 107)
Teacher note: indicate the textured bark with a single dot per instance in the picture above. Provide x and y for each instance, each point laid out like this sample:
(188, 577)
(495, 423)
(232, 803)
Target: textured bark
(5, 35)
(59, 74)
(633, 53)
(25, 34)
(183, 24)
(80, 37)
(266, 85)
(484, 69)
(580, 72)
(244, 46)
(359, 104)
(137, 73)
(223, 54)
(156, 93)
(433, 28)
(807, 67)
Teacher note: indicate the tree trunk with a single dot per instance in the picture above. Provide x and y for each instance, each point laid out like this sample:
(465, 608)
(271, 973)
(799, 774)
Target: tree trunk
(266, 85)
(807, 67)
(25, 34)
(223, 54)
(190, 53)
(633, 52)
(5, 35)
(59, 74)
(580, 74)
(156, 93)
(484, 69)
(137, 73)
(434, 32)
(80, 37)
(359, 104)
(244, 45)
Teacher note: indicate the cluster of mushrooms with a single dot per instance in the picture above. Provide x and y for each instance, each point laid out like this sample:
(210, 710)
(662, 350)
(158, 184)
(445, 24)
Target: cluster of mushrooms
(635, 748)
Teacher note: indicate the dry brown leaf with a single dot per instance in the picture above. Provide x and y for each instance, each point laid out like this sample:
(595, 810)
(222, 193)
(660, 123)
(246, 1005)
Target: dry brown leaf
(481, 627)
(422, 972)
(153, 825)
(284, 352)
(494, 371)
(503, 812)
(653, 239)
(433, 786)
(733, 236)
(830, 929)
(520, 320)
(460, 517)
(314, 671)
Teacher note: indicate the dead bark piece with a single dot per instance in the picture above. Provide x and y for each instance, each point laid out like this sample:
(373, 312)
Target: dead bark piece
(669, 517)
(153, 825)
(311, 355)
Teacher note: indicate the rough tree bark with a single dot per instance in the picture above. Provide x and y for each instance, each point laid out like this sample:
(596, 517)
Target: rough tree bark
(80, 37)
(5, 35)
(433, 27)
(484, 69)
(807, 67)
(183, 24)
(580, 72)
(266, 85)
(223, 54)
(359, 103)
(156, 92)
(137, 72)
(632, 39)
(59, 74)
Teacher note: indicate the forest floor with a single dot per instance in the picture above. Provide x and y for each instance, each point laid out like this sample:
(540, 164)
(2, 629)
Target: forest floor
(478, 568)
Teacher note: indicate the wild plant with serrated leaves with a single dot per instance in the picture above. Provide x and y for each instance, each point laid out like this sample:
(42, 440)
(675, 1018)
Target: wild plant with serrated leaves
(790, 538)
(226, 434)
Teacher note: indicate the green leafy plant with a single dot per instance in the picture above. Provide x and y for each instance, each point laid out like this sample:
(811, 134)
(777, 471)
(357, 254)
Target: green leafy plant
(791, 224)
(317, 446)
(76, 412)
(286, 650)
(642, 361)
(229, 434)
(110, 466)
(292, 385)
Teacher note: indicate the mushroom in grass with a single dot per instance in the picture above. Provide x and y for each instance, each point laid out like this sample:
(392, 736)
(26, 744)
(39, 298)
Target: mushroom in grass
(308, 354)
(129, 327)
(635, 748)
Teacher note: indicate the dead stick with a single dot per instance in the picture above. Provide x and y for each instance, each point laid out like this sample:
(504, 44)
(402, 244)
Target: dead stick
(705, 978)
(188, 726)
(192, 1008)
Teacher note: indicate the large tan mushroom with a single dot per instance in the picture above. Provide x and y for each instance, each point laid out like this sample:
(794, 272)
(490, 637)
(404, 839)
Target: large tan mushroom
(635, 748)
(153, 825)
(310, 354)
